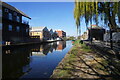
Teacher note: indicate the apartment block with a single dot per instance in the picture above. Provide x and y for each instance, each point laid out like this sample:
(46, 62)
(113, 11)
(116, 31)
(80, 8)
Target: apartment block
(14, 28)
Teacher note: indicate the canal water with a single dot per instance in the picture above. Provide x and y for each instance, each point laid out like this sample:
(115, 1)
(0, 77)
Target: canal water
(33, 61)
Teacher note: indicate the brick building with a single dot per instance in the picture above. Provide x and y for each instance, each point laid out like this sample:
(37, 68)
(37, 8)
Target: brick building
(61, 33)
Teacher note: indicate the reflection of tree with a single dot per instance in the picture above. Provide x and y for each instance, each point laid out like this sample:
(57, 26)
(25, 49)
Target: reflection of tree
(64, 44)
(13, 62)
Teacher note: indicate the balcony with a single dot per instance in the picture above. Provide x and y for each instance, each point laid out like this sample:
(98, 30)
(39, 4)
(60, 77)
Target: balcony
(25, 22)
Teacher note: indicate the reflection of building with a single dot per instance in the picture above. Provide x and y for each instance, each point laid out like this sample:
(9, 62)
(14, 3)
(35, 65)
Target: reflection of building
(61, 45)
(61, 33)
(37, 50)
(14, 28)
(41, 49)
(54, 45)
(13, 61)
(46, 48)
(40, 32)
(51, 48)
(96, 33)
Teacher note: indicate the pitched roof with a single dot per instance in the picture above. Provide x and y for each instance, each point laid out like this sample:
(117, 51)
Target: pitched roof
(14, 9)
(51, 31)
(95, 27)
(37, 28)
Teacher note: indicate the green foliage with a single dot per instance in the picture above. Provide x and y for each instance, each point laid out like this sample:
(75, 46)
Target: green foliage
(108, 11)
(65, 69)
(74, 51)
(79, 37)
(76, 42)
(64, 38)
(85, 9)
(63, 73)
(71, 38)
(85, 48)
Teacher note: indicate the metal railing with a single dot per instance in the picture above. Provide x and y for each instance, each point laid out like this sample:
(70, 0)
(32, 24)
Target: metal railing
(25, 22)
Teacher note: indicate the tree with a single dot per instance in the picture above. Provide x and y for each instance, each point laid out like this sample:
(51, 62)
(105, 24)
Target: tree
(71, 38)
(108, 11)
(86, 10)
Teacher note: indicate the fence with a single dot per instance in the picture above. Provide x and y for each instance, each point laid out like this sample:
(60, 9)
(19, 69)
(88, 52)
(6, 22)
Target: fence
(115, 37)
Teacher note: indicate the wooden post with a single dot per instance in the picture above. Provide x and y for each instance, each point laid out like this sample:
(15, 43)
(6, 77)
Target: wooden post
(111, 42)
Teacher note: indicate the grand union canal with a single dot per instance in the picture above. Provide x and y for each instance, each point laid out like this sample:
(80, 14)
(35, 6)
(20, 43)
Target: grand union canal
(33, 61)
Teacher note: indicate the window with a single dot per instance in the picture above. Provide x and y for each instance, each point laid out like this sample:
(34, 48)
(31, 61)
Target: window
(10, 16)
(0, 26)
(15, 14)
(6, 10)
(10, 27)
(18, 19)
(0, 13)
(17, 28)
(26, 30)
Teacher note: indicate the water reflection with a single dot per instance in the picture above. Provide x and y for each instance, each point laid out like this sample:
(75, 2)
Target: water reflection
(13, 62)
(60, 46)
(18, 62)
(48, 48)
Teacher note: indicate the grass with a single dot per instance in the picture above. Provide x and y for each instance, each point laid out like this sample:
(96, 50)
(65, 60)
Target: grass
(71, 58)
(79, 57)
(83, 47)
(63, 73)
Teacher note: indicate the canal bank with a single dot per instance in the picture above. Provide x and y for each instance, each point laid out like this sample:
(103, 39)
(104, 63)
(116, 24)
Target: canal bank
(33, 61)
(84, 62)
(28, 43)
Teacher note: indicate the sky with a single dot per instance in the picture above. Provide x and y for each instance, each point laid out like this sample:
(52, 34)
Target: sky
(53, 15)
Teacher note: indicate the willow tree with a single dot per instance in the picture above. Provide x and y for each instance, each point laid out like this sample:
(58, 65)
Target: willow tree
(87, 10)
(110, 11)
(91, 10)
